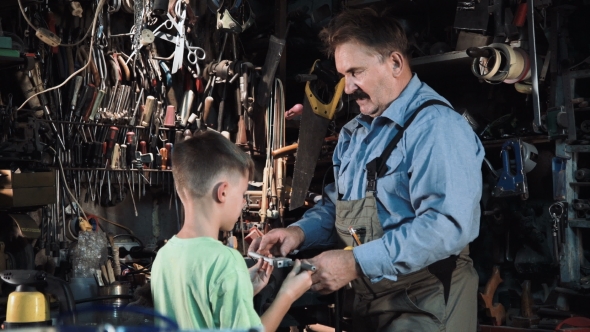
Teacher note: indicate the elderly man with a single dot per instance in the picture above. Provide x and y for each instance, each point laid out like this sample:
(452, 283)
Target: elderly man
(408, 182)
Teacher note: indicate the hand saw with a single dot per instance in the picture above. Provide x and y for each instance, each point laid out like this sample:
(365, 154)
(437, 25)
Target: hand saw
(322, 94)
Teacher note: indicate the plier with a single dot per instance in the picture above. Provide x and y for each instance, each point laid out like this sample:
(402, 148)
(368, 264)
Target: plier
(180, 10)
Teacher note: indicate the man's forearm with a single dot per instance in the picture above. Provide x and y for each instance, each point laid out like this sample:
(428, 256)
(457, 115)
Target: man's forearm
(298, 232)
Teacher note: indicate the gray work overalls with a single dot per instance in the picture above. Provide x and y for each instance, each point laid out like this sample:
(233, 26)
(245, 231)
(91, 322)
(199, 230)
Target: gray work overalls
(440, 297)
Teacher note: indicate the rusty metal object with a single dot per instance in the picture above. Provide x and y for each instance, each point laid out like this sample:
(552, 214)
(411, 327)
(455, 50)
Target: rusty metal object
(494, 310)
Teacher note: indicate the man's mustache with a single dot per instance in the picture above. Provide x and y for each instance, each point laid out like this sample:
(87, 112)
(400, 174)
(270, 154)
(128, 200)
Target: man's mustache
(358, 94)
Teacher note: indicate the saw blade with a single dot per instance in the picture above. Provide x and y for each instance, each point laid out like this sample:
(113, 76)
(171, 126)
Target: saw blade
(312, 131)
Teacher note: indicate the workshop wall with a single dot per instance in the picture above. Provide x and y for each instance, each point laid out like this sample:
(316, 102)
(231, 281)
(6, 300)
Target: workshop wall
(534, 223)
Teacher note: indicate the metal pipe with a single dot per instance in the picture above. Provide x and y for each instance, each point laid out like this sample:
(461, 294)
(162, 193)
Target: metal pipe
(537, 125)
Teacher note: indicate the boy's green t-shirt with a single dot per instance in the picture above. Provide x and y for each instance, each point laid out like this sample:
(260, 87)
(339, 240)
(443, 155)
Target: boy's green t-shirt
(203, 284)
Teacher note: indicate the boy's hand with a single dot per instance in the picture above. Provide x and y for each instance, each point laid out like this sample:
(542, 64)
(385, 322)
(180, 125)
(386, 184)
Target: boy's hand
(297, 282)
(260, 274)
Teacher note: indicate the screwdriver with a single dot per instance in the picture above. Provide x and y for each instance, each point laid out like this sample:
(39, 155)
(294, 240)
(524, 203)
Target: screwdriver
(169, 155)
(131, 141)
(150, 106)
(164, 153)
(123, 162)
(74, 96)
(143, 150)
(110, 141)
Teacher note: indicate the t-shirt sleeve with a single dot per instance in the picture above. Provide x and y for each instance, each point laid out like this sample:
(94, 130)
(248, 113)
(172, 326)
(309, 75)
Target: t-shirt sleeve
(232, 298)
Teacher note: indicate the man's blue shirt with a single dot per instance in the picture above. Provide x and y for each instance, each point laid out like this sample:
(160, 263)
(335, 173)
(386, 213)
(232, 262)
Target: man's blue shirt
(427, 201)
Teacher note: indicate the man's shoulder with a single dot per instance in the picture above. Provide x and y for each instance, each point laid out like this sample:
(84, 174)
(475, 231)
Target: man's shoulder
(440, 113)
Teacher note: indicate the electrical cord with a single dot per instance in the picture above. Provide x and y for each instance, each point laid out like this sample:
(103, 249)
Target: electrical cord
(106, 297)
(98, 11)
(22, 10)
(79, 41)
(131, 236)
(115, 224)
(63, 177)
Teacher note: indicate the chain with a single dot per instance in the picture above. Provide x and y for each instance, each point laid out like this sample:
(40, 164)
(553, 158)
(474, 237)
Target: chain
(138, 11)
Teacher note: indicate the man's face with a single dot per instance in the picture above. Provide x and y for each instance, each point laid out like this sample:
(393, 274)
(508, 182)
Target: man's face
(369, 78)
(235, 201)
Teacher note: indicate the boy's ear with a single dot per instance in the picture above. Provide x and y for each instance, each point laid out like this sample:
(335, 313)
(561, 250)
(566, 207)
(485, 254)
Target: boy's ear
(220, 192)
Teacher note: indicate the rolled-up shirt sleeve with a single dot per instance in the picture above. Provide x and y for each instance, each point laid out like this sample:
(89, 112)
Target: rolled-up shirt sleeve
(445, 186)
(318, 222)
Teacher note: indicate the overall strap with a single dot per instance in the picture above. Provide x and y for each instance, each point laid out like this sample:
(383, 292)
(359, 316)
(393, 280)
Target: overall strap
(376, 167)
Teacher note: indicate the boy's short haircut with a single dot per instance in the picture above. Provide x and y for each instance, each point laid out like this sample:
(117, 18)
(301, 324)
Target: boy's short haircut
(198, 161)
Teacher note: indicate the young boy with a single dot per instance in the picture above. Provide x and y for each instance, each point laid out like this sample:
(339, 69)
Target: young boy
(196, 280)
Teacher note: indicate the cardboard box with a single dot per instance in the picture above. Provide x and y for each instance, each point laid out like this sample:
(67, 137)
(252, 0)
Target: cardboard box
(26, 189)
(470, 39)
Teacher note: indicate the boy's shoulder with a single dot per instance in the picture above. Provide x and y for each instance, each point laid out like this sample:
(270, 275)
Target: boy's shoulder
(200, 251)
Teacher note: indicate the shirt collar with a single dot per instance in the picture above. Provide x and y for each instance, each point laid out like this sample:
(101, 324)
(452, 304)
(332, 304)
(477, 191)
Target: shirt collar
(397, 110)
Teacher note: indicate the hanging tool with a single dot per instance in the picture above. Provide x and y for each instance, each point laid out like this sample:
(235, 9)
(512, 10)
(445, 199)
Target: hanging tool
(179, 40)
(317, 114)
(558, 213)
(494, 310)
(512, 181)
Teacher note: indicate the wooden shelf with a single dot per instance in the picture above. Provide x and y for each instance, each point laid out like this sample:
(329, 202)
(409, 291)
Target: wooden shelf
(579, 223)
(117, 169)
(451, 63)
(528, 139)
(577, 148)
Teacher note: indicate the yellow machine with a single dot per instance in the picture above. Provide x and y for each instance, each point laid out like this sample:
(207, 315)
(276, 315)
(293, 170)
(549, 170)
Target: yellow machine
(27, 307)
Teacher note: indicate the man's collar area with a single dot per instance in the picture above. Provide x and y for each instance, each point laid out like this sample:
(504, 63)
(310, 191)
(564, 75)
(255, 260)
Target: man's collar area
(397, 110)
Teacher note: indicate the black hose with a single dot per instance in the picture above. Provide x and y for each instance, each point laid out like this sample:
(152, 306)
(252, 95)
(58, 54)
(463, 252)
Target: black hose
(106, 297)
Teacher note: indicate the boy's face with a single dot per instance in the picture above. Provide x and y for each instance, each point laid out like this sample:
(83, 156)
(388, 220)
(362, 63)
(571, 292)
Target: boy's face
(234, 201)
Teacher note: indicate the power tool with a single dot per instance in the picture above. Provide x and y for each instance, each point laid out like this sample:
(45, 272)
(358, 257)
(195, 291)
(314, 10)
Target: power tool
(27, 306)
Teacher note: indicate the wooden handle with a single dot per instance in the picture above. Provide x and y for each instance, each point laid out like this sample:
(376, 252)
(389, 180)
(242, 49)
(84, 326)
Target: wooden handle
(208, 103)
(105, 275)
(494, 310)
(123, 67)
(281, 170)
(164, 154)
(492, 284)
(150, 105)
(285, 150)
(241, 138)
(110, 271)
(116, 156)
(526, 300)
(293, 147)
(264, 199)
(94, 71)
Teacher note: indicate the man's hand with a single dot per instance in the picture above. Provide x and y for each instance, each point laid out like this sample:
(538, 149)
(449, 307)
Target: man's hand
(335, 269)
(260, 274)
(278, 242)
(294, 112)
